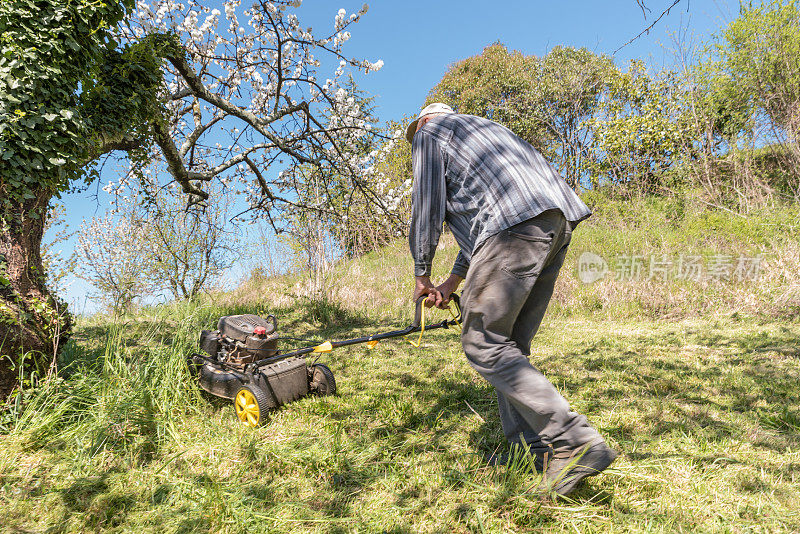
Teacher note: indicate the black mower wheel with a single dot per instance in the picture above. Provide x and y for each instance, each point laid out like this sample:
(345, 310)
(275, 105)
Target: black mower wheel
(193, 366)
(321, 380)
(251, 404)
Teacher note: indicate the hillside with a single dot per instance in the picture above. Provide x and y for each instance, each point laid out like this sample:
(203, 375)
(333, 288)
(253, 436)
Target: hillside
(624, 234)
(695, 381)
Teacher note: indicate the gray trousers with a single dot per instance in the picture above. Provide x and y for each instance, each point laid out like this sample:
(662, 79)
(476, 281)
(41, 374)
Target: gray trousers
(508, 286)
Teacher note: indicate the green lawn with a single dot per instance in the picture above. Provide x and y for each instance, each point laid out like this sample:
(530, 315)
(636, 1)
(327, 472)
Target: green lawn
(705, 413)
(695, 383)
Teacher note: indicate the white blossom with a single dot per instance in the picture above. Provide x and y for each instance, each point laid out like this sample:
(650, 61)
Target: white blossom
(266, 66)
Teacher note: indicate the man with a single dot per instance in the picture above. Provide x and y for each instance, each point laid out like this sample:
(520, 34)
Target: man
(512, 215)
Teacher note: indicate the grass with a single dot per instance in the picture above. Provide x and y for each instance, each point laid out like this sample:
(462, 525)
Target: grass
(703, 406)
(379, 283)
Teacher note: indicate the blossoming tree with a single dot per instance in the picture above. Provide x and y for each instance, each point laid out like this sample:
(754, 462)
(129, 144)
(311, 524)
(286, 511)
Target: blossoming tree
(236, 96)
(243, 92)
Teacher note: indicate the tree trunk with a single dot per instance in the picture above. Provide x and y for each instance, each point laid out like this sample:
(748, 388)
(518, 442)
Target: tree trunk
(33, 324)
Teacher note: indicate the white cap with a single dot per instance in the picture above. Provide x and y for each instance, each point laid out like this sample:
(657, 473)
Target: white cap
(436, 107)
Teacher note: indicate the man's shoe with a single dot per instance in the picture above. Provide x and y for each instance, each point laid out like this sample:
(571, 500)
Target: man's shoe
(564, 475)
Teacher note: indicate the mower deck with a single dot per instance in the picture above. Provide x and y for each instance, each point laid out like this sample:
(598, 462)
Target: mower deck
(244, 365)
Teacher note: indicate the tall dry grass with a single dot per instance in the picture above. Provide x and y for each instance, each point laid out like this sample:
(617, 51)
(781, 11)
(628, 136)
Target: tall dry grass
(381, 282)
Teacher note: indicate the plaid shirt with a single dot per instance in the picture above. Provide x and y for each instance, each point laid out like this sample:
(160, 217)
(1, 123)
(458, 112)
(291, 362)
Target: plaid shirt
(480, 178)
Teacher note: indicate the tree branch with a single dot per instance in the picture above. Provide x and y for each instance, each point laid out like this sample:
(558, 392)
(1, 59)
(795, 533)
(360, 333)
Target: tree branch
(175, 162)
(259, 124)
(647, 30)
(107, 143)
(196, 133)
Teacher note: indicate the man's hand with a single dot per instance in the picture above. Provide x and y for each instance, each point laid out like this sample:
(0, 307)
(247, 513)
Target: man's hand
(425, 287)
(447, 288)
(437, 296)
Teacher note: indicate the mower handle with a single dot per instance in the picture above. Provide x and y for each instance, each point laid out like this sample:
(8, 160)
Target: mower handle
(416, 326)
(418, 310)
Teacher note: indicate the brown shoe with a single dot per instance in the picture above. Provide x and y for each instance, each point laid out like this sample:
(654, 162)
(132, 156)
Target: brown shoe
(563, 475)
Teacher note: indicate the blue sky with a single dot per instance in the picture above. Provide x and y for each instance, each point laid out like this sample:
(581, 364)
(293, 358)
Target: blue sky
(418, 40)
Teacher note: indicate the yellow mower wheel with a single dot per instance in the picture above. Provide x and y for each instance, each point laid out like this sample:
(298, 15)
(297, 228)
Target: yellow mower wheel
(251, 405)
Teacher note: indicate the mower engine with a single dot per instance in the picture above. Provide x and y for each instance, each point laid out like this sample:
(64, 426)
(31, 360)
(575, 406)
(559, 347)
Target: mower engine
(241, 339)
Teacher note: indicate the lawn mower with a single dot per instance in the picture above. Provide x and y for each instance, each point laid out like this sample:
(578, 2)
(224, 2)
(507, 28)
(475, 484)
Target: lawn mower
(243, 362)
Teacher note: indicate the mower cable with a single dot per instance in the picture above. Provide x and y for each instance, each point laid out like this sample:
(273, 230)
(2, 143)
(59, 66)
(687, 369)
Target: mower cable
(421, 331)
(456, 318)
(443, 324)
